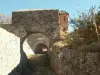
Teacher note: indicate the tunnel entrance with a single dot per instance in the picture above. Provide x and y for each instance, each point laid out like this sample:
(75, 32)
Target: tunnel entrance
(41, 49)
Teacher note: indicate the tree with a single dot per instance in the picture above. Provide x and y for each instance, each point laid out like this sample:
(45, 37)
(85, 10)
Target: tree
(98, 23)
(85, 25)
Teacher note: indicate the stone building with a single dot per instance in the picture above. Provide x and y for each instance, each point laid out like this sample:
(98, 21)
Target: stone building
(63, 20)
(63, 24)
(29, 30)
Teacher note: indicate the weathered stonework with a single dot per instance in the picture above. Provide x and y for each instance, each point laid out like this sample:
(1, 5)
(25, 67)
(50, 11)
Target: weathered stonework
(73, 62)
(42, 21)
(19, 39)
(25, 24)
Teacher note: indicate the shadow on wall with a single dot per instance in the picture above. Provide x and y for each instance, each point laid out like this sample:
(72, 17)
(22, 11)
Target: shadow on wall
(20, 68)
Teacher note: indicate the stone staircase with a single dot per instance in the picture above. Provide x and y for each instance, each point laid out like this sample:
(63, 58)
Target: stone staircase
(39, 65)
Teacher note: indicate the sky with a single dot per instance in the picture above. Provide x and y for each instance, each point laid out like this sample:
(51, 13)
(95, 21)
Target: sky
(70, 6)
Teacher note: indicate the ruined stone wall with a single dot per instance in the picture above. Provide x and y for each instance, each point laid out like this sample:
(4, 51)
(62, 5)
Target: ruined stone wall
(44, 21)
(73, 62)
(12, 37)
(33, 22)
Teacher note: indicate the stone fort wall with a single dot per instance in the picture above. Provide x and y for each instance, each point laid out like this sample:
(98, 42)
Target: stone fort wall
(12, 37)
(76, 62)
(44, 21)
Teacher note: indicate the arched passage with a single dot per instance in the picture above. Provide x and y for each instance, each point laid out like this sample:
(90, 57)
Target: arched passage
(41, 48)
(36, 43)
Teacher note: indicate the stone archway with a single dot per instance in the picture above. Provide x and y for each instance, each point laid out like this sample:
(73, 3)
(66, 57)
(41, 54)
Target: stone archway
(41, 49)
(35, 41)
(37, 60)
